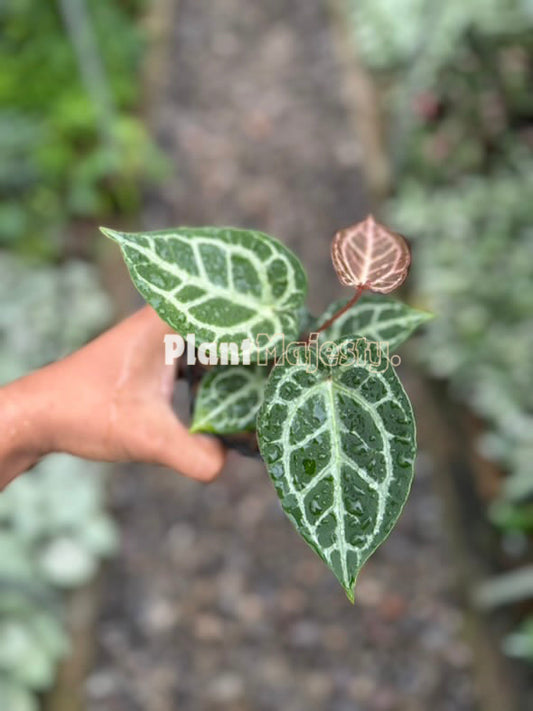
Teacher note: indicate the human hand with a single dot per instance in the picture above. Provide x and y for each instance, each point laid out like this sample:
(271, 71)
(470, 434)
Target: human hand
(109, 401)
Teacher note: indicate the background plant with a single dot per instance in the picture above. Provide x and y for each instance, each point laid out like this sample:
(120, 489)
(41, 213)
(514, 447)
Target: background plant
(69, 147)
(53, 526)
(457, 84)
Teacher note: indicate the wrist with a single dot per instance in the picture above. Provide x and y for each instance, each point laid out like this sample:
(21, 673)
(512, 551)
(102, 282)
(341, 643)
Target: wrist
(23, 439)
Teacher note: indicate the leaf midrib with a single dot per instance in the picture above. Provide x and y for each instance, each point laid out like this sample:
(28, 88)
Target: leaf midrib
(382, 488)
(339, 504)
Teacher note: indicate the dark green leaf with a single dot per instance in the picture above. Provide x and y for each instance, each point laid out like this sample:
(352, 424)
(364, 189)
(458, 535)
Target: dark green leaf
(221, 284)
(229, 398)
(339, 444)
(376, 317)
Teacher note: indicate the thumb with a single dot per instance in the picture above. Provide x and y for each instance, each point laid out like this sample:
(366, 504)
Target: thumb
(196, 456)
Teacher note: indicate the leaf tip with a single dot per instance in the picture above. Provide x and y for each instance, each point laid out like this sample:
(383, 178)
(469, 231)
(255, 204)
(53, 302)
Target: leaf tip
(108, 232)
(350, 594)
(423, 317)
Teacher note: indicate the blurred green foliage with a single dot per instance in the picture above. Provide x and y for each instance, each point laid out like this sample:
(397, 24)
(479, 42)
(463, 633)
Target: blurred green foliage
(519, 644)
(436, 30)
(71, 149)
(474, 266)
(457, 81)
(53, 525)
(61, 156)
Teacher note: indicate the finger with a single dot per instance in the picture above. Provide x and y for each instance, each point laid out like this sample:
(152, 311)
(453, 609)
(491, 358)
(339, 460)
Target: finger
(196, 456)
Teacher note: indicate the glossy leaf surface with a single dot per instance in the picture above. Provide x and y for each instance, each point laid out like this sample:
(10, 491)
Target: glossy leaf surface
(229, 398)
(378, 318)
(220, 284)
(339, 444)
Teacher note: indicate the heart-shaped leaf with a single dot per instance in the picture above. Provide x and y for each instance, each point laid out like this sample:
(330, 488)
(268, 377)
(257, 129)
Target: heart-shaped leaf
(223, 285)
(229, 398)
(378, 318)
(369, 256)
(338, 439)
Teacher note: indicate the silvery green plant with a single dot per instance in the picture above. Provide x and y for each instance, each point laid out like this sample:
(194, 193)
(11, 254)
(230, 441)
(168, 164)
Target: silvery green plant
(483, 339)
(54, 529)
(337, 434)
(430, 32)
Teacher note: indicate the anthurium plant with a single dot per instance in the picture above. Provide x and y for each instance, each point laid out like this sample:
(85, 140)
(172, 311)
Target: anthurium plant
(334, 425)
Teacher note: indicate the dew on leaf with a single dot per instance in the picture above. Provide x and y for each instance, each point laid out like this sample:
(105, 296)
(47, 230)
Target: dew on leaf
(276, 470)
(403, 461)
(348, 456)
(316, 506)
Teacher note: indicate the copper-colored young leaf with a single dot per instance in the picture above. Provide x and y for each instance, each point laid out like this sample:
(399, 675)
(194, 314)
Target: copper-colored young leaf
(369, 256)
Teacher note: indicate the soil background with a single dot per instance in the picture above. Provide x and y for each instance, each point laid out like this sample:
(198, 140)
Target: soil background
(214, 601)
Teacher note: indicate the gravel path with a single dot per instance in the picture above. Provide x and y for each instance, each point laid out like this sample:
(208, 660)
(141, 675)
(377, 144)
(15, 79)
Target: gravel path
(215, 602)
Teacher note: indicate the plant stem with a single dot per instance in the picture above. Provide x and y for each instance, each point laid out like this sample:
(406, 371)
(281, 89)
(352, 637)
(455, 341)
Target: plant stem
(343, 310)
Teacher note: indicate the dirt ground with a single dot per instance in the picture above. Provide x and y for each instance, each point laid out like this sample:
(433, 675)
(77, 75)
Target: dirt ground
(215, 602)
